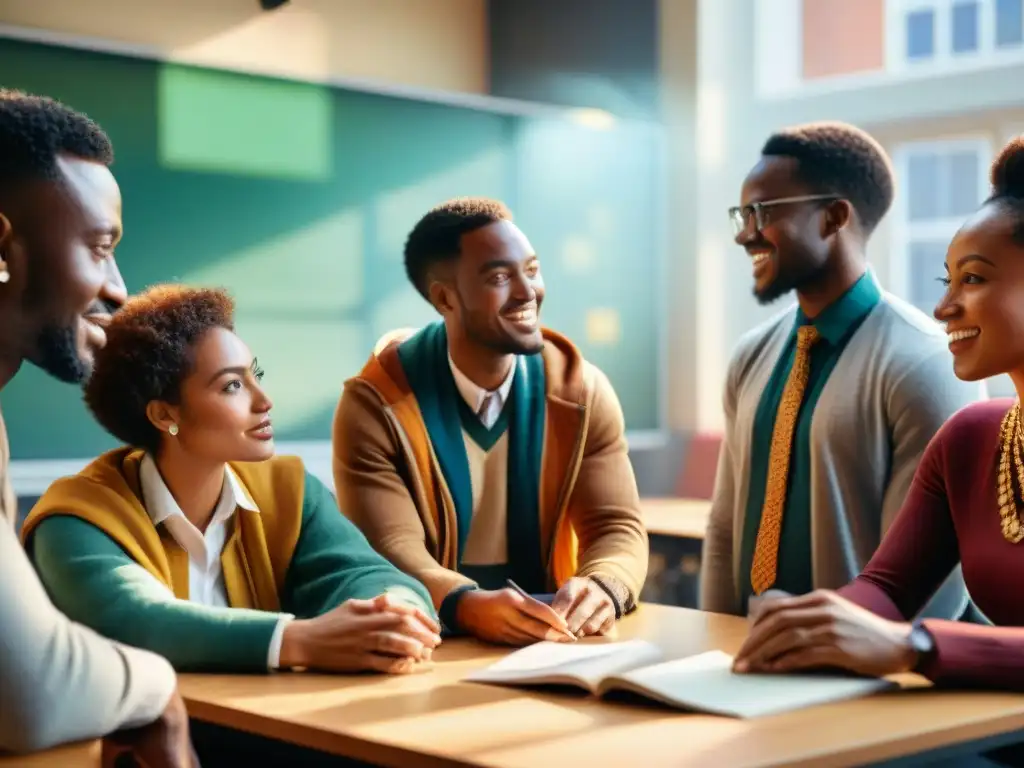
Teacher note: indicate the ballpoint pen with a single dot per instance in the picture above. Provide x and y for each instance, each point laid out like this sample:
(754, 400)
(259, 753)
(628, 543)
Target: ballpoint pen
(526, 594)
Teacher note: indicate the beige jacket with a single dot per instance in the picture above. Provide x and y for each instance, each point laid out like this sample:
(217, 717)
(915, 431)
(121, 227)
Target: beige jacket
(390, 484)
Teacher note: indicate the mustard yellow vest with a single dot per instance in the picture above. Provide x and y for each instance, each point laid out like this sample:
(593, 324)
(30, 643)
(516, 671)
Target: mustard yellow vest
(107, 494)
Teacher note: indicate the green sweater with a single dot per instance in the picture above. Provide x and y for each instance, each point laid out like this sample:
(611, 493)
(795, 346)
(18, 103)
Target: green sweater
(91, 579)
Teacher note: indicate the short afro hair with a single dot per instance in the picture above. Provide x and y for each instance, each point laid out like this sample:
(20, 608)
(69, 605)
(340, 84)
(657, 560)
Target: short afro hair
(841, 159)
(35, 130)
(1007, 176)
(436, 237)
(149, 352)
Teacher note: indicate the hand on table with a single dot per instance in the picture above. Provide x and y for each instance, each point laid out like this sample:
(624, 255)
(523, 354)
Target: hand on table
(823, 630)
(380, 635)
(507, 617)
(586, 608)
(755, 602)
(164, 743)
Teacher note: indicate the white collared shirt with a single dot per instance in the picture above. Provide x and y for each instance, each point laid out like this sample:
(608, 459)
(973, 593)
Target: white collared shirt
(475, 396)
(205, 572)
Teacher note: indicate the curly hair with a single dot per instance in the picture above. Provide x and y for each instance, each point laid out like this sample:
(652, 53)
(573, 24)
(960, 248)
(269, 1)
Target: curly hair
(436, 237)
(149, 352)
(34, 130)
(1007, 177)
(842, 159)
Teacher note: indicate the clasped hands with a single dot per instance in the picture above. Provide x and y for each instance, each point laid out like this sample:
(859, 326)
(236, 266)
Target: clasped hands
(822, 630)
(383, 634)
(579, 608)
(387, 635)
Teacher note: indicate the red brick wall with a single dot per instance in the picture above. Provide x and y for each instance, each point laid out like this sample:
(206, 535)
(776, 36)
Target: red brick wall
(841, 37)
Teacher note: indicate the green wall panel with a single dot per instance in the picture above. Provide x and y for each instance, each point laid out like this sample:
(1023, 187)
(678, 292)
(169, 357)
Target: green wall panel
(298, 199)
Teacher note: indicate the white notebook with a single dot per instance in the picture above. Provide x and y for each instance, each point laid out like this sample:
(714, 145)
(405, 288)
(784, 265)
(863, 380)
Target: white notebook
(701, 683)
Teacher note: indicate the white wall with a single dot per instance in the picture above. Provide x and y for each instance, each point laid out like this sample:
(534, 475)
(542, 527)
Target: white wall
(433, 44)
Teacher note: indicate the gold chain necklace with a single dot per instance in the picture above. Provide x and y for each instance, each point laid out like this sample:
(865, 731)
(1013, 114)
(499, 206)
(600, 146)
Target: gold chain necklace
(1011, 438)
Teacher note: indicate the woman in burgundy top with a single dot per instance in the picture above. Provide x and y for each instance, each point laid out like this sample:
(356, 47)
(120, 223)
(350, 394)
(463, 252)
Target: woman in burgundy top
(964, 504)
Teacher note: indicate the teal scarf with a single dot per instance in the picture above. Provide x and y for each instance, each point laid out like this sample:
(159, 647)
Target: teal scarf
(424, 359)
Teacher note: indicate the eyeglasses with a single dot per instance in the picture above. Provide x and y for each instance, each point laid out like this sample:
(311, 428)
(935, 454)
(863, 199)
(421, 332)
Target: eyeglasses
(740, 215)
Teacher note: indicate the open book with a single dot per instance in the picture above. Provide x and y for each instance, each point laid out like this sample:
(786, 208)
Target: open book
(702, 683)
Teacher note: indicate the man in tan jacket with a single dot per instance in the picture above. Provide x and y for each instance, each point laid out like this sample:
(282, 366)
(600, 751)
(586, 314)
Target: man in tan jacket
(484, 452)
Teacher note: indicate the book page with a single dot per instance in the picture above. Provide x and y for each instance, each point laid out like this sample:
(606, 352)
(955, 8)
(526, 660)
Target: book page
(581, 663)
(707, 683)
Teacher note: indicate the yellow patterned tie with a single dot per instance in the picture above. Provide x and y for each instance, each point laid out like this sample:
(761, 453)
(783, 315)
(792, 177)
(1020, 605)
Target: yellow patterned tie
(766, 551)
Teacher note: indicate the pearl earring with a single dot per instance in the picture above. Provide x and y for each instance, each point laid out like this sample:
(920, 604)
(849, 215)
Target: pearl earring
(4, 274)
(173, 429)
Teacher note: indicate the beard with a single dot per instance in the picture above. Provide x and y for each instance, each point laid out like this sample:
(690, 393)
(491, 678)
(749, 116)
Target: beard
(783, 283)
(774, 291)
(501, 343)
(57, 354)
(504, 345)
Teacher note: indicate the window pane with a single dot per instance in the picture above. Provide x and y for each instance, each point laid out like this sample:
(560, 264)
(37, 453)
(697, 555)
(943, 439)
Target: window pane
(1009, 22)
(924, 186)
(961, 183)
(926, 258)
(920, 34)
(965, 27)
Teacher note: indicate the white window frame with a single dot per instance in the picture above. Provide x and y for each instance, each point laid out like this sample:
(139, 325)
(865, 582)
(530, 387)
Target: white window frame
(779, 70)
(903, 231)
(944, 61)
(943, 58)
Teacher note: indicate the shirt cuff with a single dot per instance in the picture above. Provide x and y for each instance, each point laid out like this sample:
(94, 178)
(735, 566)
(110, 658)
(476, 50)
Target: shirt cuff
(274, 652)
(619, 593)
(449, 607)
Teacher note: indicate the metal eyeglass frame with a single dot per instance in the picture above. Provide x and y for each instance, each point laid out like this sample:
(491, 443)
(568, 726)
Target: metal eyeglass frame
(740, 215)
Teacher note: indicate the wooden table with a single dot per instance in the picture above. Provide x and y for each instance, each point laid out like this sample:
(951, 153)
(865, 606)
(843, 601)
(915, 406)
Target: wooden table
(684, 518)
(79, 755)
(434, 720)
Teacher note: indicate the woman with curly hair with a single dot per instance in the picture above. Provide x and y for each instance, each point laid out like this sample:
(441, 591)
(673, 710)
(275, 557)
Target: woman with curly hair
(195, 541)
(964, 504)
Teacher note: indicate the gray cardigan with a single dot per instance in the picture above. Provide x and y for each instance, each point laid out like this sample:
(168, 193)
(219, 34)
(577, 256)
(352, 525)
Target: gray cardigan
(60, 681)
(891, 390)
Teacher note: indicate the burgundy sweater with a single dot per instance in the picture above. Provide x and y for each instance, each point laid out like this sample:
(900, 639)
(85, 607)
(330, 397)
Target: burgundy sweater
(951, 513)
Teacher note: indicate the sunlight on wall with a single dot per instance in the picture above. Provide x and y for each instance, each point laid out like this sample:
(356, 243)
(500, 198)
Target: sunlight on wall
(306, 362)
(397, 212)
(292, 44)
(589, 117)
(229, 123)
(603, 326)
(710, 127)
(404, 308)
(292, 294)
(712, 350)
(315, 269)
(588, 201)
(578, 255)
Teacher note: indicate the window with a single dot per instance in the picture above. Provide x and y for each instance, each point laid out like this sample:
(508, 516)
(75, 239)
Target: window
(965, 27)
(1009, 23)
(942, 183)
(952, 32)
(921, 34)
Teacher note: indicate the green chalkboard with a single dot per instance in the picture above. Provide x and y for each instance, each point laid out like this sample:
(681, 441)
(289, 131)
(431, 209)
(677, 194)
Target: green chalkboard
(298, 197)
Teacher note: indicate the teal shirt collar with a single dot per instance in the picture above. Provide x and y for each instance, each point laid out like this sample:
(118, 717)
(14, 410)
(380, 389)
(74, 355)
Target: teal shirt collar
(847, 311)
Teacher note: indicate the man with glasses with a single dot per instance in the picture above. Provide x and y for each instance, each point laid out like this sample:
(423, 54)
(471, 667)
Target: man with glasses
(830, 404)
